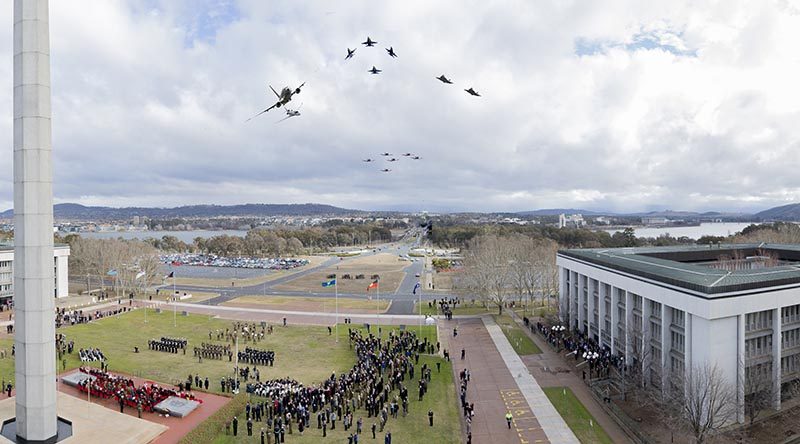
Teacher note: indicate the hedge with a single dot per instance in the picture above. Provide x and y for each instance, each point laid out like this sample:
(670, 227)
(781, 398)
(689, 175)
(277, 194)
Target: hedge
(214, 426)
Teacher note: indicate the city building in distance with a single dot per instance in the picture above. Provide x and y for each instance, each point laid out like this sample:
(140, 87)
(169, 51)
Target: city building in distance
(679, 308)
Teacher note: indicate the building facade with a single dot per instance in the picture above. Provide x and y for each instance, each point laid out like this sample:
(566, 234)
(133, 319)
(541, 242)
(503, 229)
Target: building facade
(674, 309)
(60, 264)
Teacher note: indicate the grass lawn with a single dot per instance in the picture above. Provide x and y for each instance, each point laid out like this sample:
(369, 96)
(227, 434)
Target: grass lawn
(322, 304)
(576, 416)
(306, 353)
(386, 265)
(441, 398)
(522, 344)
(7, 363)
(462, 309)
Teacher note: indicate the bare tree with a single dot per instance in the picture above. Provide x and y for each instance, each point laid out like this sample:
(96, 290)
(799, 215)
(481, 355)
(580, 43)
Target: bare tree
(486, 265)
(702, 401)
(758, 393)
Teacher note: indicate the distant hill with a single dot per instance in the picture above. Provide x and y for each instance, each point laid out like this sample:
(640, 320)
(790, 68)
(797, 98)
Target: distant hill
(71, 211)
(789, 213)
(557, 211)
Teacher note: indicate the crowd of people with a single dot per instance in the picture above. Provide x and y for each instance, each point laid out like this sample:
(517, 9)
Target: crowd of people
(169, 345)
(257, 357)
(445, 306)
(598, 358)
(376, 383)
(468, 408)
(124, 390)
(66, 317)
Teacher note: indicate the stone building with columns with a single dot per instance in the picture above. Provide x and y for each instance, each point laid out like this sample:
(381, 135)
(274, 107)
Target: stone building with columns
(684, 307)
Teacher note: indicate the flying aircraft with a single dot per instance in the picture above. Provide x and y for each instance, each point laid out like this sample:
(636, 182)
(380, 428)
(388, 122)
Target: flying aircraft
(374, 70)
(416, 157)
(391, 160)
(407, 154)
(350, 53)
(444, 79)
(390, 50)
(291, 113)
(369, 42)
(472, 92)
(367, 160)
(385, 170)
(386, 154)
(283, 98)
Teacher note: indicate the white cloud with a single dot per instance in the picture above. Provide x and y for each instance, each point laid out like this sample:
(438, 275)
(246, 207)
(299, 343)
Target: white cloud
(683, 105)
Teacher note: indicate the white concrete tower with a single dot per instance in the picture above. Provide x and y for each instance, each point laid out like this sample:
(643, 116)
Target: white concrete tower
(35, 367)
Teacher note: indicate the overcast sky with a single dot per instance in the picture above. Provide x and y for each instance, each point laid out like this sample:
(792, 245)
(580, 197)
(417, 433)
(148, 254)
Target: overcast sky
(615, 105)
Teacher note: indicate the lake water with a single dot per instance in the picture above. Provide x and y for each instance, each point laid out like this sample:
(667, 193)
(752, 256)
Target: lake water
(185, 236)
(695, 232)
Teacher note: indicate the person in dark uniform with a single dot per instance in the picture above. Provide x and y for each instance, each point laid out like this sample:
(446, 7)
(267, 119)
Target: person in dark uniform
(262, 436)
(235, 425)
(430, 417)
(250, 426)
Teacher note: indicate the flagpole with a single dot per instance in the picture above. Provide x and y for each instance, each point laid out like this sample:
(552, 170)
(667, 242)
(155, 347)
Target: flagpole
(336, 289)
(174, 300)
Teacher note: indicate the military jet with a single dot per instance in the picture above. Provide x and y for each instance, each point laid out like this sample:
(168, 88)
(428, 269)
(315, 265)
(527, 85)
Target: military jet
(368, 160)
(407, 154)
(291, 113)
(350, 53)
(369, 42)
(472, 92)
(385, 170)
(374, 70)
(386, 154)
(283, 98)
(444, 79)
(391, 160)
(390, 50)
(416, 158)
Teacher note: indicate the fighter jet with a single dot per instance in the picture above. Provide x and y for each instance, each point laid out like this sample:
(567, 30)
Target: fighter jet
(444, 79)
(407, 154)
(369, 42)
(386, 154)
(350, 53)
(390, 50)
(374, 70)
(367, 160)
(283, 98)
(416, 157)
(291, 113)
(472, 92)
(385, 170)
(391, 160)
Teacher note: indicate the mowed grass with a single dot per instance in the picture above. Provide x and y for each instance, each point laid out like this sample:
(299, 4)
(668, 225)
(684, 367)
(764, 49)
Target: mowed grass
(7, 363)
(414, 428)
(305, 353)
(386, 265)
(321, 304)
(576, 416)
(522, 344)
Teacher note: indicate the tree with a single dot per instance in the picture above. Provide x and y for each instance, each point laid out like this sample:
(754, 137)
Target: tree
(702, 400)
(758, 393)
(486, 265)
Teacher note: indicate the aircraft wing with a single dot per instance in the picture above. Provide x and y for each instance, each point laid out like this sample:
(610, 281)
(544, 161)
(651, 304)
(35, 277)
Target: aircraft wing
(262, 112)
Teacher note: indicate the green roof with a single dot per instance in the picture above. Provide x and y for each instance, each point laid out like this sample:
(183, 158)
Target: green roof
(678, 265)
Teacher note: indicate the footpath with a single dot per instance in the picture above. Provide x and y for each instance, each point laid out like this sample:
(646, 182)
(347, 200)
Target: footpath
(550, 370)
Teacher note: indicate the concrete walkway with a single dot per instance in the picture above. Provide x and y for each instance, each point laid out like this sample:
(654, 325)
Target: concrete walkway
(550, 370)
(553, 425)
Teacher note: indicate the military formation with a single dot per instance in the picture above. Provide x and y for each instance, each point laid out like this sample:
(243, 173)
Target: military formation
(169, 345)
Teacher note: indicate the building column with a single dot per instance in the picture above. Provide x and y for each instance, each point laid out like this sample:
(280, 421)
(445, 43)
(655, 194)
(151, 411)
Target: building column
(646, 335)
(34, 281)
(666, 346)
(740, 369)
(563, 295)
(581, 301)
(614, 319)
(776, 358)
(628, 326)
(573, 297)
(591, 286)
(601, 311)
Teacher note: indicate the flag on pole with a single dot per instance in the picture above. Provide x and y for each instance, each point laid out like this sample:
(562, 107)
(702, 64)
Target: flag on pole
(416, 287)
(374, 284)
(170, 275)
(329, 283)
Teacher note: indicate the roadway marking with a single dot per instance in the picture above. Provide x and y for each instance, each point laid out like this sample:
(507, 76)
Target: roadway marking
(516, 403)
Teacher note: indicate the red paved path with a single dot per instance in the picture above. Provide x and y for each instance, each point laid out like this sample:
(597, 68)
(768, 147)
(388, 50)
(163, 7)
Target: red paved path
(492, 387)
